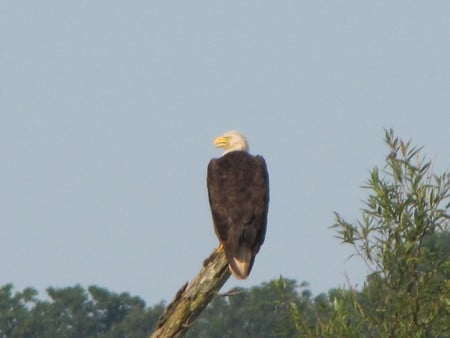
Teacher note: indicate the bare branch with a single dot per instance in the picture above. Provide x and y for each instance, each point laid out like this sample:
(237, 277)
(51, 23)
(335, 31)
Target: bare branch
(192, 298)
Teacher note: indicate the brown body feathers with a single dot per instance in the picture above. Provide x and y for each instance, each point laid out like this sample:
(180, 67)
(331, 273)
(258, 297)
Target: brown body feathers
(238, 190)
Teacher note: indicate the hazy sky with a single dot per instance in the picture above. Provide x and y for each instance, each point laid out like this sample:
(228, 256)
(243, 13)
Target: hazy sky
(108, 111)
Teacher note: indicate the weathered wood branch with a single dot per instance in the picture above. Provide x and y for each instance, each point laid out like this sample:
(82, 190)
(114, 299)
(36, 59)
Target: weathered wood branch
(192, 298)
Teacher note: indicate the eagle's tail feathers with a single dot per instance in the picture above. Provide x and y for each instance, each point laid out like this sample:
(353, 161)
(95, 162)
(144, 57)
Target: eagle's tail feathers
(241, 265)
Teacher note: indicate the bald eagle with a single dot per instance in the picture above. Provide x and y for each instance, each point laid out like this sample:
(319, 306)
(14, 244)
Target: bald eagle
(238, 191)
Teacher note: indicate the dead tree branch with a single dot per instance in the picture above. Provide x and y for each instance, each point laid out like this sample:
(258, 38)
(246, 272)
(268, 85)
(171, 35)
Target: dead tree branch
(192, 298)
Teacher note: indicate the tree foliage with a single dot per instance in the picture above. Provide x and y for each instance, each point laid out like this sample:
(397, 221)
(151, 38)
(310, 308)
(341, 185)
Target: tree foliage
(402, 236)
(257, 312)
(74, 312)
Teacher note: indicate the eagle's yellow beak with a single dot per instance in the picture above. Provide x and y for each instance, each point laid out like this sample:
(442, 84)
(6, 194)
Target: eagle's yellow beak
(222, 142)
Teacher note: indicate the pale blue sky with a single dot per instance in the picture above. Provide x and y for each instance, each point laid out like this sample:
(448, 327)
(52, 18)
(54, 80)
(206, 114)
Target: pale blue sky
(108, 111)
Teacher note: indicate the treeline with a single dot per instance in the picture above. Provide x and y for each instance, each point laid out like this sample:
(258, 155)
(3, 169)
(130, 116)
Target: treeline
(402, 235)
(278, 308)
(74, 312)
(261, 311)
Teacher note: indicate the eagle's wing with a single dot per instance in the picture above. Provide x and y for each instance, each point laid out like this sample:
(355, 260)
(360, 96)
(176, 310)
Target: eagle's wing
(238, 190)
(216, 184)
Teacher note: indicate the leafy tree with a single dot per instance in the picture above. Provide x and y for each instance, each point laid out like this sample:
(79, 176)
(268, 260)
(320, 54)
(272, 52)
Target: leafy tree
(74, 312)
(121, 315)
(260, 311)
(402, 237)
(69, 314)
(14, 314)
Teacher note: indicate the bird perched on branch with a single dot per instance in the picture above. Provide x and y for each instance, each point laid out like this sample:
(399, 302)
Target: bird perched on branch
(238, 191)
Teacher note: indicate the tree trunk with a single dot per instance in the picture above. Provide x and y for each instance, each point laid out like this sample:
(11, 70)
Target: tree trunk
(192, 298)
